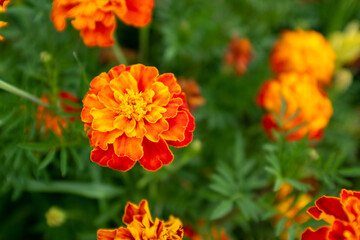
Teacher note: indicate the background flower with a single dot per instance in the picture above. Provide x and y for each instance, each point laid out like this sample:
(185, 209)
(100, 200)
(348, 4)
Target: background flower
(306, 52)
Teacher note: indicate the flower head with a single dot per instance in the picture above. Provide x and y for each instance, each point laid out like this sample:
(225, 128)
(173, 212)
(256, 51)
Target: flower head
(55, 217)
(132, 114)
(239, 54)
(306, 52)
(346, 44)
(96, 18)
(307, 108)
(342, 214)
(50, 120)
(140, 225)
(192, 93)
(3, 5)
(191, 234)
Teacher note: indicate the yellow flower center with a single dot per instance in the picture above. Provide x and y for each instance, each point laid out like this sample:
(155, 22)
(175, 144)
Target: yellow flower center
(135, 105)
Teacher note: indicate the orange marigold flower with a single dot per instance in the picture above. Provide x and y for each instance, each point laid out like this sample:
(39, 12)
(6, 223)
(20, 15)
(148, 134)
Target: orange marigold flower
(190, 233)
(3, 5)
(96, 18)
(139, 225)
(192, 93)
(50, 120)
(306, 52)
(239, 54)
(342, 214)
(290, 207)
(132, 114)
(307, 107)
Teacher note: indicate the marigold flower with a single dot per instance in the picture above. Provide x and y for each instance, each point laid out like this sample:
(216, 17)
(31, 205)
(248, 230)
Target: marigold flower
(96, 18)
(192, 93)
(50, 120)
(3, 5)
(239, 54)
(132, 114)
(305, 52)
(191, 234)
(341, 213)
(307, 108)
(139, 225)
(288, 206)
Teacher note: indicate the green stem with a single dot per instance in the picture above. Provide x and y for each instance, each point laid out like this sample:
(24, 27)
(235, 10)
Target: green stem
(119, 53)
(7, 87)
(144, 44)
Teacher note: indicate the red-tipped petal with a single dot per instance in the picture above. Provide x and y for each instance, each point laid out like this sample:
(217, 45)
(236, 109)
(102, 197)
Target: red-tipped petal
(332, 206)
(319, 234)
(155, 155)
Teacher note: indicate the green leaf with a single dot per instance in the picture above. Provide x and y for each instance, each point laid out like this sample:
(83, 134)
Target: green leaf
(63, 161)
(47, 160)
(42, 146)
(222, 209)
(89, 190)
(280, 226)
(77, 158)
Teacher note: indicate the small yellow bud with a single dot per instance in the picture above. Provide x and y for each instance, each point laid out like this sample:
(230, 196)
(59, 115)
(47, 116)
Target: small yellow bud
(45, 57)
(55, 217)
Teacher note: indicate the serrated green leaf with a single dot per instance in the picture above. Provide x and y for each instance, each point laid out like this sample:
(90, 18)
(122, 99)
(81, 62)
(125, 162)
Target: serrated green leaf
(222, 209)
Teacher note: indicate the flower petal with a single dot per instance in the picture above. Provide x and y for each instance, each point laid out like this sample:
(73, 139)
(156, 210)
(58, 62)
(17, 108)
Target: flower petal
(155, 155)
(162, 94)
(177, 127)
(121, 163)
(125, 146)
(99, 82)
(106, 97)
(125, 124)
(319, 234)
(145, 76)
(332, 206)
(170, 81)
(102, 139)
(106, 234)
(123, 83)
(103, 119)
(153, 130)
(188, 133)
(131, 210)
(154, 114)
(172, 107)
(116, 71)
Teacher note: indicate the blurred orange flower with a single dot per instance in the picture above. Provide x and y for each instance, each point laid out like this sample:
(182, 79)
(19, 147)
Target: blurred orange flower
(50, 120)
(96, 18)
(192, 93)
(307, 108)
(139, 225)
(3, 5)
(342, 214)
(288, 206)
(215, 234)
(239, 54)
(305, 52)
(132, 114)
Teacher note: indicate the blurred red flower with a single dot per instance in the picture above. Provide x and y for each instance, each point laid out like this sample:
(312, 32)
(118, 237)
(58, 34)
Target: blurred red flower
(239, 54)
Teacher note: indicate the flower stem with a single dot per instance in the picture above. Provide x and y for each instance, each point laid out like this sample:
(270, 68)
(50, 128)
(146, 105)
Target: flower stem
(7, 87)
(119, 53)
(144, 44)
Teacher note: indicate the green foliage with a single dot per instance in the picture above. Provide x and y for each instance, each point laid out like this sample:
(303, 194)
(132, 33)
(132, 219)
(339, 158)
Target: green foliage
(229, 176)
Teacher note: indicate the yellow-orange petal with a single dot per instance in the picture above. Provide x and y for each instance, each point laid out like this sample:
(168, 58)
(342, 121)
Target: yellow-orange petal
(177, 127)
(125, 124)
(162, 94)
(132, 210)
(106, 97)
(102, 139)
(170, 81)
(106, 234)
(172, 107)
(123, 83)
(125, 146)
(103, 119)
(153, 130)
(145, 76)
(154, 114)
